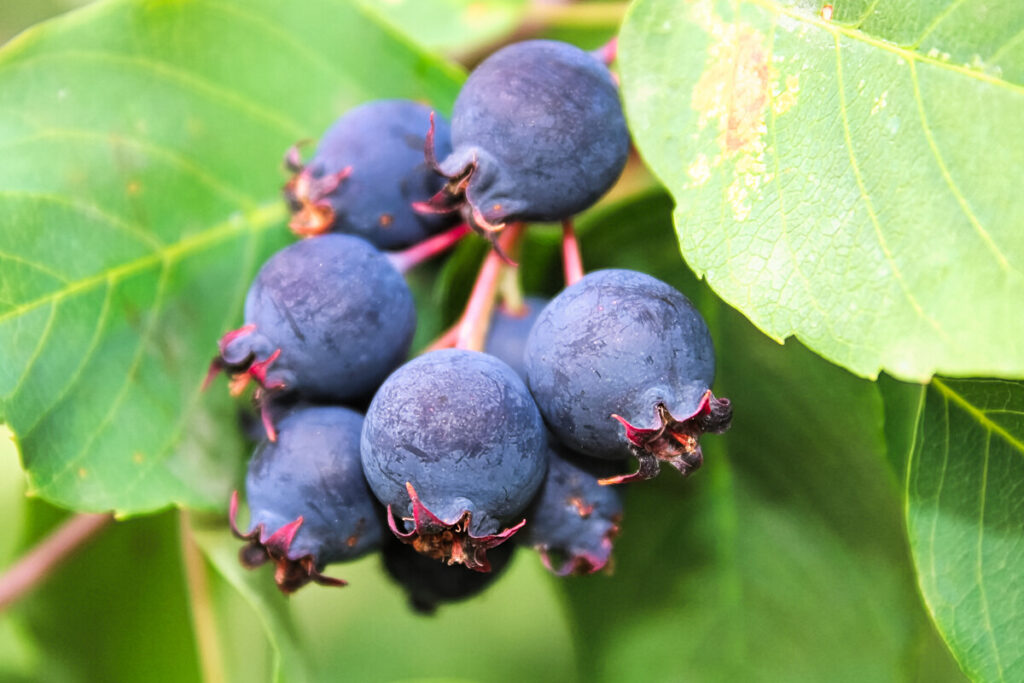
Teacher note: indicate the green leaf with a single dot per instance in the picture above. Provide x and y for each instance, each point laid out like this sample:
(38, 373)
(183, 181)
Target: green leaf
(783, 558)
(261, 594)
(139, 193)
(851, 182)
(965, 516)
(451, 25)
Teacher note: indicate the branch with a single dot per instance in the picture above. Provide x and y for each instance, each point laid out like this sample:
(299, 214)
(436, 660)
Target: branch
(37, 565)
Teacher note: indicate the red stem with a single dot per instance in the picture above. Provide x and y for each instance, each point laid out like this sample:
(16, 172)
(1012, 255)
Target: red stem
(407, 259)
(608, 52)
(572, 262)
(472, 328)
(37, 565)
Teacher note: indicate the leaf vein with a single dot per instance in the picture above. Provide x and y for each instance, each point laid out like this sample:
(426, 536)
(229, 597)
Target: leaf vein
(953, 188)
(869, 205)
(139, 352)
(838, 30)
(130, 228)
(259, 219)
(34, 265)
(215, 92)
(935, 22)
(37, 351)
(978, 415)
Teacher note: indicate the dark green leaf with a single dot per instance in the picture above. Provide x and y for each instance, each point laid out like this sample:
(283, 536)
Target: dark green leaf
(965, 515)
(138, 194)
(851, 182)
(784, 557)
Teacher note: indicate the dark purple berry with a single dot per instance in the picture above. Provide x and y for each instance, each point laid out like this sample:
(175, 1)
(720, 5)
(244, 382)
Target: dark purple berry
(367, 172)
(308, 499)
(430, 583)
(506, 338)
(622, 363)
(327, 318)
(454, 446)
(539, 135)
(574, 519)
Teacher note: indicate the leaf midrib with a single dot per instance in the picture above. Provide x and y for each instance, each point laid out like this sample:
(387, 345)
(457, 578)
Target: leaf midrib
(910, 55)
(982, 419)
(257, 219)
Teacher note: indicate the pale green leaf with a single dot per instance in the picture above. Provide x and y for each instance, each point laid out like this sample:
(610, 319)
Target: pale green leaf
(853, 181)
(139, 192)
(965, 516)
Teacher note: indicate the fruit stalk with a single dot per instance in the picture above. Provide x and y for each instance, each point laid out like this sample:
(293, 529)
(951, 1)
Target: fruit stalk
(477, 316)
(409, 258)
(572, 261)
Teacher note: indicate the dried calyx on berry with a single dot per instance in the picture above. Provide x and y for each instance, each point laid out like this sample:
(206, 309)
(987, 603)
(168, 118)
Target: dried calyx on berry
(574, 520)
(430, 583)
(621, 364)
(538, 135)
(366, 174)
(454, 446)
(308, 499)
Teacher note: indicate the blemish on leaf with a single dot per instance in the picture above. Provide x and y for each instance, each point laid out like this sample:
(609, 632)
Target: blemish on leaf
(138, 458)
(880, 103)
(82, 473)
(739, 87)
(134, 187)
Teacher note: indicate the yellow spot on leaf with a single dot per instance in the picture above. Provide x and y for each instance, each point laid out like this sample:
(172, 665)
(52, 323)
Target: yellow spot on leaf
(880, 103)
(138, 458)
(740, 86)
(82, 473)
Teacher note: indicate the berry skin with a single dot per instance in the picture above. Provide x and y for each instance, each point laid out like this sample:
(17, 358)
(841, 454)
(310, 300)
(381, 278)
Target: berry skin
(622, 363)
(327, 318)
(506, 338)
(308, 498)
(367, 172)
(454, 446)
(539, 135)
(573, 519)
(430, 583)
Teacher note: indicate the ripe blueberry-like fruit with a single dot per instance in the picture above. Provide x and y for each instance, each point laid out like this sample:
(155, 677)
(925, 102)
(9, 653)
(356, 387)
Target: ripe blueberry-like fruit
(506, 338)
(573, 519)
(539, 135)
(327, 318)
(454, 446)
(430, 583)
(367, 172)
(621, 363)
(308, 499)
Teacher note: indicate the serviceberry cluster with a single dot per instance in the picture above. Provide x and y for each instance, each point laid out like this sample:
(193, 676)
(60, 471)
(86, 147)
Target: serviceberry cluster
(512, 428)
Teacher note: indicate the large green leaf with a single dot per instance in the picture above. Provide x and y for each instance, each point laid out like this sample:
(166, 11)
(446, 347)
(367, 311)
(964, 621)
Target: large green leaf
(783, 558)
(851, 182)
(965, 515)
(138, 194)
